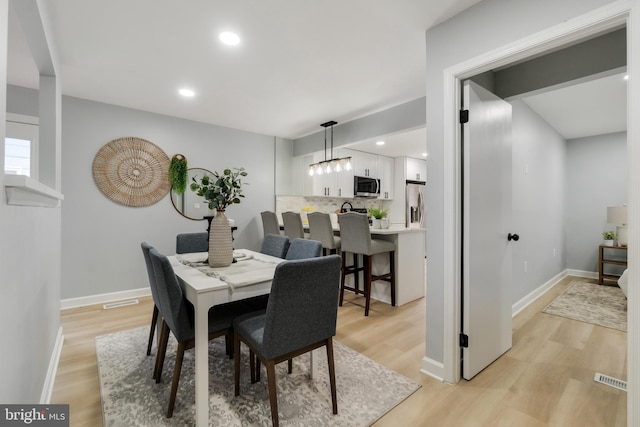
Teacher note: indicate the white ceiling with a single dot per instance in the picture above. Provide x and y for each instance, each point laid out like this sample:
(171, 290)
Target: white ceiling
(595, 107)
(300, 63)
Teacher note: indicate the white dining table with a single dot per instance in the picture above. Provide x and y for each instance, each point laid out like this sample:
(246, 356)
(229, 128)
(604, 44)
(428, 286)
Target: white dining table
(204, 292)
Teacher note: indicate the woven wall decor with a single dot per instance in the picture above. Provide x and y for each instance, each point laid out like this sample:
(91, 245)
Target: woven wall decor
(132, 171)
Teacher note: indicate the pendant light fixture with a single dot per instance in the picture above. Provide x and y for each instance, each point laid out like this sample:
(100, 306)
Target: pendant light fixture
(332, 164)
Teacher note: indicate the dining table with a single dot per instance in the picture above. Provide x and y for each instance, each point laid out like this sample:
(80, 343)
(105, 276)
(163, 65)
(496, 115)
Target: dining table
(205, 287)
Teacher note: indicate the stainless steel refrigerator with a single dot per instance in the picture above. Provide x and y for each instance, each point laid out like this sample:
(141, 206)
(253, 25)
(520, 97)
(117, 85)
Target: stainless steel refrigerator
(414, 204)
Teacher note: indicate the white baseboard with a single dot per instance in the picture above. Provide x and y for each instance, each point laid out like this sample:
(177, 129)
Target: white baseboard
(103, 298)
(433, 368)
(537, 293)
(582, 273)
(541, 290)
(50, 380)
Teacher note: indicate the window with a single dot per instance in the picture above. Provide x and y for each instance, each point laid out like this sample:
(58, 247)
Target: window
(21, 146)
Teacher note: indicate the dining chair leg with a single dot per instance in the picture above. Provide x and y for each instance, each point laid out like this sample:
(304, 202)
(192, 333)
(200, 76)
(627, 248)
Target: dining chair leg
(228, 343)
(162, 350)
(176, 377)
(258, 364)
(273, 397)
(342, 277)
(332, 374)
(367, 283)
(154, 320)
(392, 269)
(236, 365)
(290, 365)
(252, 366)
(356, 280)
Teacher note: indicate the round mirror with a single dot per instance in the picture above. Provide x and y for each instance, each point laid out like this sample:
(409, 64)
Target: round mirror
(189, 204)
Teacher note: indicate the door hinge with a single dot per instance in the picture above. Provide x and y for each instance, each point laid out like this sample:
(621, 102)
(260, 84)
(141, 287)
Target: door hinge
(464, 116)
(464, 340)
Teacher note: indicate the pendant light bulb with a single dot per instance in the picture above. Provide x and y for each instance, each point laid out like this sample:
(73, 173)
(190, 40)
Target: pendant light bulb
(311, 172)
(348, 165)
(328, 170)
(319, 170)
(338, 165)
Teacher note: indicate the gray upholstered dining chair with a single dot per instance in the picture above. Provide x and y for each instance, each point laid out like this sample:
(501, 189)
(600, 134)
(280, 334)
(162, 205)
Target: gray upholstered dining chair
(269, 223)
(293, 225)
(178, 318)
(192, 242)
(303, 248)
(356, 239)
(275, 245)
(320, 229)
(154, 293)
(300, 317)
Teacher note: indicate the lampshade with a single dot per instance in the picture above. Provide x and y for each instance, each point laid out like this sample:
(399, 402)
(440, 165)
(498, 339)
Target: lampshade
(617, 215)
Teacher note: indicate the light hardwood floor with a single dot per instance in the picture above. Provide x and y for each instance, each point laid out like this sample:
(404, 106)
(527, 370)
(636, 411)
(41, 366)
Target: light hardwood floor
(546, 379)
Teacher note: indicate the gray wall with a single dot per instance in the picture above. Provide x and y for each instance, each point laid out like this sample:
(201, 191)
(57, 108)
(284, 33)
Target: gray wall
(484, 27)
(21, 100)
(596, 178)
(29, 275)
(539, 159)
(101, 239)
(406, 116)
(598, 55)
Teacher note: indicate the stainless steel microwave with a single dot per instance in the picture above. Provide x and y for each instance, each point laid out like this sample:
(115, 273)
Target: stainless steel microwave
(365, 186)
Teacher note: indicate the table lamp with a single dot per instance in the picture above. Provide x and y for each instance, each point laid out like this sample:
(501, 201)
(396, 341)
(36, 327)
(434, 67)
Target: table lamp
(618, 215)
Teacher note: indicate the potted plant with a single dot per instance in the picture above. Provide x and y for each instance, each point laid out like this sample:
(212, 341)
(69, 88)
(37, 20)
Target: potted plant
(220, 191)
(608, 236)
(379, 214)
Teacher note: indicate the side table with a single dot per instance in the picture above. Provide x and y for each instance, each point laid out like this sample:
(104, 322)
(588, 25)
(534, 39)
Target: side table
(615, 260)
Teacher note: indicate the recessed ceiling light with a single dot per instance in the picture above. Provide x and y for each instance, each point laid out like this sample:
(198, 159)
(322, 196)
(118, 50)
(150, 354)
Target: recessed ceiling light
(380, 143)
(626, 77)
(424, 154)
(187, 92)
(229, 38)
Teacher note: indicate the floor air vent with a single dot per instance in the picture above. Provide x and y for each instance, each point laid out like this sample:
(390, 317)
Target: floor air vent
(120, 304)
(613, 382)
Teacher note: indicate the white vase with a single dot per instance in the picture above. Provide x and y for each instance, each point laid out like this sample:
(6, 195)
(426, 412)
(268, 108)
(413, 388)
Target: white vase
(384, 223)
(220, 241)
(376, 223)
(608, 243)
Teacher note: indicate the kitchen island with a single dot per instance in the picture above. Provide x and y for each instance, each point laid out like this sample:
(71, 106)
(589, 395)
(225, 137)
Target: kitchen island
(409, 262)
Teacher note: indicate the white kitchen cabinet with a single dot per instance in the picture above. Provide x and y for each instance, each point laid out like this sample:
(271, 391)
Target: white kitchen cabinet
(308, 182)
(344, 184)
(416, 169)
(364, 164)
(334, 184)
(385, 173)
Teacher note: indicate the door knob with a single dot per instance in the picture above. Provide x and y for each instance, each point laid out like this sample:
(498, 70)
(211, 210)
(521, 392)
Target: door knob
(511, 237)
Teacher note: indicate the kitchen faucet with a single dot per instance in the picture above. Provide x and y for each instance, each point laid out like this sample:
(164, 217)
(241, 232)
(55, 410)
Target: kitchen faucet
(343, 209)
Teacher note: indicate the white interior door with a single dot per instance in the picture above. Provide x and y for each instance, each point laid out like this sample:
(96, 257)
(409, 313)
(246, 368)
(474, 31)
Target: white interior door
(486, 275)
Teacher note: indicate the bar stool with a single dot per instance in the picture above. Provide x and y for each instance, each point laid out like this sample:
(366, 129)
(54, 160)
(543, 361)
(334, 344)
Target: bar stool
(320, 229)
(293, 225)
(269, 223)
(356, 239)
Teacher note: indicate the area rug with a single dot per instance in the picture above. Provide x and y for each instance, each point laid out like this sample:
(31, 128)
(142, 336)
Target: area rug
(130, 397)
(592, 303)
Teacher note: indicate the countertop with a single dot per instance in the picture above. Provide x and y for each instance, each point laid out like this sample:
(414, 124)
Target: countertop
(394, 229)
